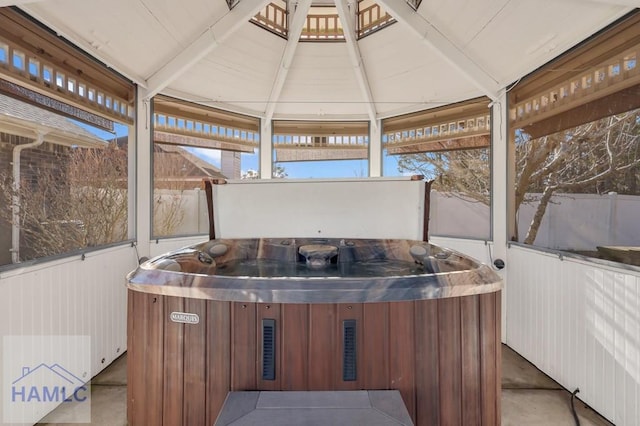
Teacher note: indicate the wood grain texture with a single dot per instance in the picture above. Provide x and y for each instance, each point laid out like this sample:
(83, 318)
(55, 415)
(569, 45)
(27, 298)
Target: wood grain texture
(375, 350)
(174, 363)
(133, 359)
(470, 355)
(244, 352)
(323, 346)
(295, 347)
(402, 353)
(146, 346)
(427, 362)
(218, 357)
(449, 361)
(443, 355)
(489, 374)
(194, 387)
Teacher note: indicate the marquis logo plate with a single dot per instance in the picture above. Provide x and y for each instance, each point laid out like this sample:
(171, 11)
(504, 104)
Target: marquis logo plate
(184, 317)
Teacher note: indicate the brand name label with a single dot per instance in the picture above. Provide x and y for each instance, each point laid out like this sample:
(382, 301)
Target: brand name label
(184, 317)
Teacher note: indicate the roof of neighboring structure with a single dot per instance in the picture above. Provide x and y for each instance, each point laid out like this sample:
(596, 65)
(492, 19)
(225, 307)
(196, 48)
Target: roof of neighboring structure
(23, 119)
(195, 167)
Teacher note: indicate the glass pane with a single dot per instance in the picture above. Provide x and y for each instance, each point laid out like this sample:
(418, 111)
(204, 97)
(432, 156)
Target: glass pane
(579, 189)
(72, 194)
(461, 192)
(179, 203)
(321, 169)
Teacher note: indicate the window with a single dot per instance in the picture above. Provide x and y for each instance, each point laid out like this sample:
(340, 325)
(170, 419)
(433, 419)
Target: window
(576, 124)
(72, 188)
(312, 149)
(579, 189)
(450, 145)
(63, 150)
(192, 142)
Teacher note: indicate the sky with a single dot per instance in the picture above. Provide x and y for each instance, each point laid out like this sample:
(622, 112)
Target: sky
(294, 170)
(307, 169)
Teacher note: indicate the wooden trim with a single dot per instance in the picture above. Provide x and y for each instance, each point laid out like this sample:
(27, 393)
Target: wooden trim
(594, 80)
(243, 346)
(339, 152)
(208, 189)
(54, 105)
(174, 344)
(218, 368)
(295, 341)
(444, 144)
(450, 361)
(427, 209)
(430, 117)
(320, 128)
(616, 103)
(178, 138)
(607, 44)
(174, 107)
(443, 355)
(41, 48)
(194, 365)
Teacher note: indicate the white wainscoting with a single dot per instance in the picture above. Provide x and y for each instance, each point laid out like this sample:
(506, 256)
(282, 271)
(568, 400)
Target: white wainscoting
(71, 296)
(579, 321)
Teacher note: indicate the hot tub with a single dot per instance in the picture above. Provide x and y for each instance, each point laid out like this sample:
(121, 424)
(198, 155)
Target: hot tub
(313, 314)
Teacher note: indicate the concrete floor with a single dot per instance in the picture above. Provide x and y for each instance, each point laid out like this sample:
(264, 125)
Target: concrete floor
(529, 397)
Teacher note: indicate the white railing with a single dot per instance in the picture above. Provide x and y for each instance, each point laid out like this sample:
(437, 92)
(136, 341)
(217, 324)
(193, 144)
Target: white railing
(274, 18)
(608, 77)
(476, 125)
(372, 18)
(28, 68)
(335, 141)
(320, 26)
(174, 124)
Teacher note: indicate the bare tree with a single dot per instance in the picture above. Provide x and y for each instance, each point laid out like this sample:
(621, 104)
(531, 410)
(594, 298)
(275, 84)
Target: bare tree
(77, 200)
(596, 157)
(582, 159)
(463, 173)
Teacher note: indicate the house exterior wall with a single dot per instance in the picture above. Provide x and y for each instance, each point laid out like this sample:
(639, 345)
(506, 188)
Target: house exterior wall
(44, 157)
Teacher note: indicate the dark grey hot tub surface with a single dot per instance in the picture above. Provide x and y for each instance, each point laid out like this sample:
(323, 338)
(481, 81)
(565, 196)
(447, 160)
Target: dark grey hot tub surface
(307, 270)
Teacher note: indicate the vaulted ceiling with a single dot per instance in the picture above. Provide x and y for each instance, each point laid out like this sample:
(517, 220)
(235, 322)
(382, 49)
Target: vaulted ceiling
(445, 52)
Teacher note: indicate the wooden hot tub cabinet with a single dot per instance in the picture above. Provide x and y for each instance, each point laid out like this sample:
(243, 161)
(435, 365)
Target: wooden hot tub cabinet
(442, 354)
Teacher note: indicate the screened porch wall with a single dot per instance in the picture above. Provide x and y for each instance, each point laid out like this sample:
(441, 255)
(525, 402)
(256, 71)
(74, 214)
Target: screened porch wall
(579, 322)
(71, 296)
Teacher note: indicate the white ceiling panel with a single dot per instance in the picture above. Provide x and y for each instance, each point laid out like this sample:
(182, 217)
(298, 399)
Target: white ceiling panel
(405, 69)
(541, 36)
(137, 35)
(321, 78)
(240, 72)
